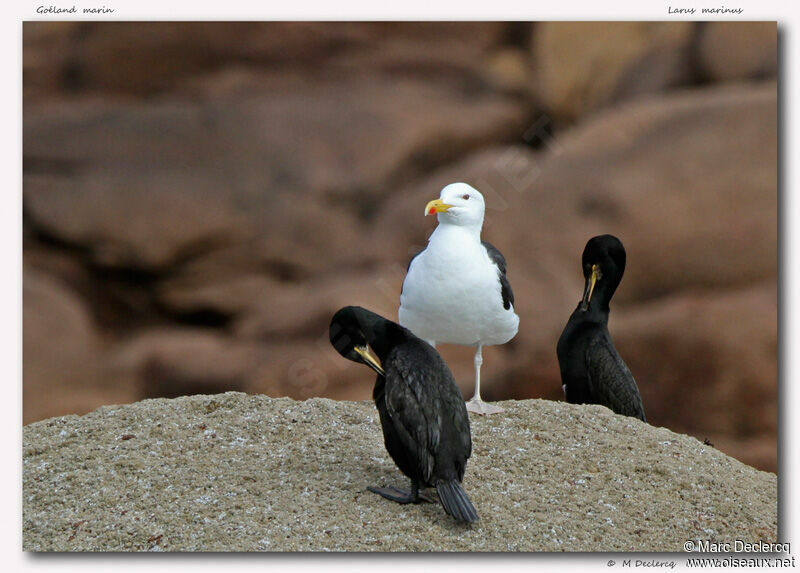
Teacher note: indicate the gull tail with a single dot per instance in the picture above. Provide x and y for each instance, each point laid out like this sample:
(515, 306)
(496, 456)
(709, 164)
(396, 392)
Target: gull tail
(455, 501)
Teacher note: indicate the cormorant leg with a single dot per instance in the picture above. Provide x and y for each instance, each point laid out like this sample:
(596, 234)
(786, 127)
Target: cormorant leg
(401, 495)
(477, 405)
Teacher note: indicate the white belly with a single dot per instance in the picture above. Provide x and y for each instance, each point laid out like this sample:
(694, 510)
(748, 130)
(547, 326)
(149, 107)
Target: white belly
(455, 297)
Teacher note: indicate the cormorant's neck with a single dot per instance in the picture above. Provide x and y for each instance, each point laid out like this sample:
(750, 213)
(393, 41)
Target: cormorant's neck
(601, 298)
(379, 332)
(595, 313)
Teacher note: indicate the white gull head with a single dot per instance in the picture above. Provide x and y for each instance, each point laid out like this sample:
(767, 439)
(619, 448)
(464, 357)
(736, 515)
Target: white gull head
(458, 204)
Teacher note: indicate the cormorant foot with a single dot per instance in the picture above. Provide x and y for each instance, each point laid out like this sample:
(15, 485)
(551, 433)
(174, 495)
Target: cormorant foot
(478, 406)
(401, 495)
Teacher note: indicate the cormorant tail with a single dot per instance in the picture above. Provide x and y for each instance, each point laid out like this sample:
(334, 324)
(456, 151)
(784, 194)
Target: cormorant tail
(455, 501)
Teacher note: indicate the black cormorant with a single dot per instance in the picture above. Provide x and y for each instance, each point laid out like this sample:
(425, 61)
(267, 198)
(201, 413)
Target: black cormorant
(592, 371)
(423, 415)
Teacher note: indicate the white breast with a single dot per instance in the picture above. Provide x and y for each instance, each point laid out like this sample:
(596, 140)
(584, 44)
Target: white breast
(452, 293)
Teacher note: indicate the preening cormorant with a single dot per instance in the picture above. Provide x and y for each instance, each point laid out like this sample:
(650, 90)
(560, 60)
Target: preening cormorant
(423, 416)
(456, 290)
(592, 371)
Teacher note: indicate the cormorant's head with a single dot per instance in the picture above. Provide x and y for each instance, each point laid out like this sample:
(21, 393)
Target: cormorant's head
(347, 336)
(603, 265)
(458, 204)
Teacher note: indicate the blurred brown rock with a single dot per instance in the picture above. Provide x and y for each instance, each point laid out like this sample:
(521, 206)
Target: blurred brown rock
(199, 199)
(227, 291)
(144, 58)
(61, 352)
(288, 173)
(138, 219)
(509, 69)
(170, 362)
(739, 50)
(581, 66)
(305, 310)
(688, 183)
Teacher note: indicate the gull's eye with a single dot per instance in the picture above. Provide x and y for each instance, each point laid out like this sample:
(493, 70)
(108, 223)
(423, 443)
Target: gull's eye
(465, 197)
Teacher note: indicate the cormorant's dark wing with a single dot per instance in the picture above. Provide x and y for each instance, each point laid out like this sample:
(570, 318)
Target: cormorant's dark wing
(412, 416)
(610, 381)
(500, 261)
(419, 392)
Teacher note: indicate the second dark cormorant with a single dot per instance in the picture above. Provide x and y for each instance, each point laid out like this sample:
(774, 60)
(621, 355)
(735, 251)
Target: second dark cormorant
(592, 371)
(423, 415)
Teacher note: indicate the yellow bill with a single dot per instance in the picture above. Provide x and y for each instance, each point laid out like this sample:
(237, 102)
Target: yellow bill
(369, 360)
(436, 206)
(590, 283)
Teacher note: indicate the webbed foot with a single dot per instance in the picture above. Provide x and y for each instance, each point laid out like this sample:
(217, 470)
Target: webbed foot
(402, 495)
(478, 406)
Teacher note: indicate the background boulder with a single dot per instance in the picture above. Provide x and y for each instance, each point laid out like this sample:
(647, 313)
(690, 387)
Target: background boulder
(199, 198)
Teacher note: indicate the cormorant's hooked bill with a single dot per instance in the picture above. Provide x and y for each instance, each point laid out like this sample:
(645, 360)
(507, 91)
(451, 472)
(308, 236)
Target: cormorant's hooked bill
(363, 352)
(591, 281)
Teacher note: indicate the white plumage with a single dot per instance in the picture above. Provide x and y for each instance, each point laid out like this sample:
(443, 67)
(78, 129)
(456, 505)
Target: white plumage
(455, 291)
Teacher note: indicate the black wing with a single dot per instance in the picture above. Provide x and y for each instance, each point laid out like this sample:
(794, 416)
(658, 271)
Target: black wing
(610, 381)
(413, 418)
(500, 261)
(421, 399)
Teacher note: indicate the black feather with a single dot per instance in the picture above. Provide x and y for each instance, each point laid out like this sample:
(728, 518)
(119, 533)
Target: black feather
(609, 379)
(500, 262)
(455, 501)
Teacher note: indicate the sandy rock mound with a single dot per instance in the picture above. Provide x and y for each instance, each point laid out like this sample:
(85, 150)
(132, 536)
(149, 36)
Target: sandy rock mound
(235, 472)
